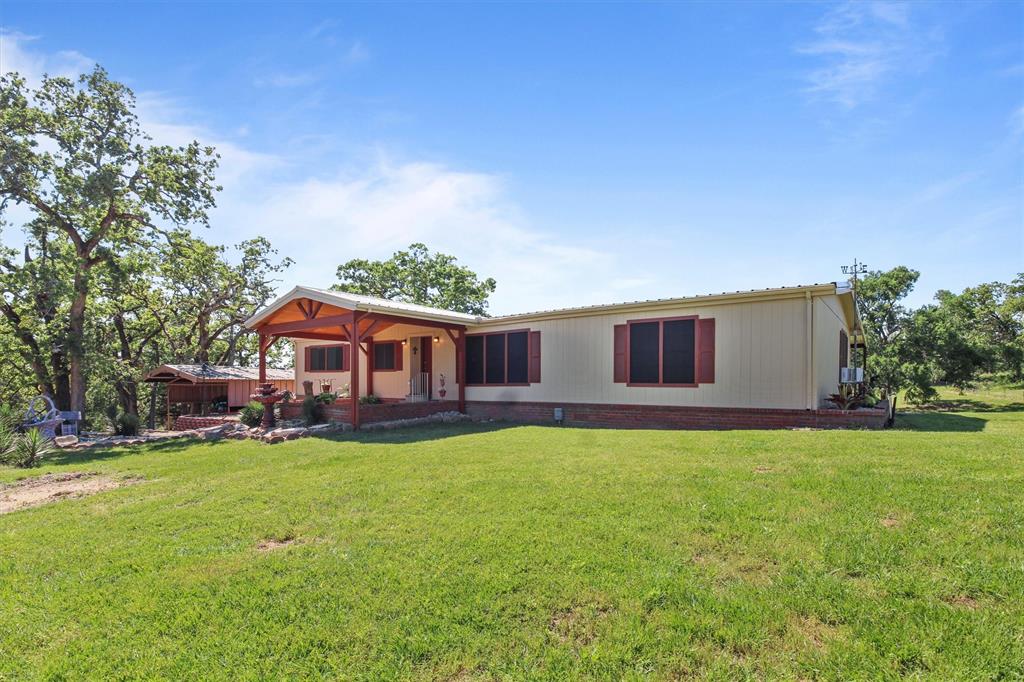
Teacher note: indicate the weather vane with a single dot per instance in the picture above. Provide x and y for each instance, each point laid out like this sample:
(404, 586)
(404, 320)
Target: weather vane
(855, 269)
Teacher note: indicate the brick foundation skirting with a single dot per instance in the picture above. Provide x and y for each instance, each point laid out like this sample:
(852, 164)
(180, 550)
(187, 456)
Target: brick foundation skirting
(368, 414)
(676, 417)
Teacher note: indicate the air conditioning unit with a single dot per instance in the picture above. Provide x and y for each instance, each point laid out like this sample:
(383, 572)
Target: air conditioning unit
(851, 375)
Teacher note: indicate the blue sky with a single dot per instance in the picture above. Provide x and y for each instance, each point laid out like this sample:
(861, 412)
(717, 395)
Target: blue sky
(585, 153)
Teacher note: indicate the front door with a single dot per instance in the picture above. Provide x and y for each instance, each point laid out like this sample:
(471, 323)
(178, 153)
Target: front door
(427, 362)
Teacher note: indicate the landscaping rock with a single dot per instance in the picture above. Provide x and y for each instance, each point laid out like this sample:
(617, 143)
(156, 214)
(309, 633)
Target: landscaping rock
(65, 441)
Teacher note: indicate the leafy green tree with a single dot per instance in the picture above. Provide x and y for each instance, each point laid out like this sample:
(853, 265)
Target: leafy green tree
(879, 297)
(75, 155)
(993, 315)
(208, 297)
(418, 276)
(34, 305)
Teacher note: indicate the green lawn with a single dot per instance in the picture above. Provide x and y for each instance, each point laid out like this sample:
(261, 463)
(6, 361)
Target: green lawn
(479, 552)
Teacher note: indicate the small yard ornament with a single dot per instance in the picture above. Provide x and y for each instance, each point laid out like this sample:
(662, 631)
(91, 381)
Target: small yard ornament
(442, 391)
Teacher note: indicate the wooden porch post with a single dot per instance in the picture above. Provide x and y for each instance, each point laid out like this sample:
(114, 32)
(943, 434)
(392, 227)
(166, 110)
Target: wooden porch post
(354, 384)
(369, 365)
(460, 363)
(263, 358)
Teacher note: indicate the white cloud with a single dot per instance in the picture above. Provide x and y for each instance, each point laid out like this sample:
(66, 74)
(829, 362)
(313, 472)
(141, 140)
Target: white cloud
(286, 80)
(32, 65)
(863, 45)
(357, 53)
(374, 210)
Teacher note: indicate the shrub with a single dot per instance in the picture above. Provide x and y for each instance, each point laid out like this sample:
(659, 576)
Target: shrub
(126, 424)
(849, 397)
(25, 449)
(252, 414)
(369, 400)
(312, 412)
(326, 398)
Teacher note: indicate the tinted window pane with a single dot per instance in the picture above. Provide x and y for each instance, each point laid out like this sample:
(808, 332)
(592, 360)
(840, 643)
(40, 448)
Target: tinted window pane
(518, 357)
(494, 348)
(678, 352)
(384, 356)
(316, 359)
(474, 359)
(334, 358)
(643, 353)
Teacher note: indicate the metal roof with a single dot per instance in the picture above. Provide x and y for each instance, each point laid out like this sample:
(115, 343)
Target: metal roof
(197, 373)
(664, 302)
(373, 303)
(344, 299)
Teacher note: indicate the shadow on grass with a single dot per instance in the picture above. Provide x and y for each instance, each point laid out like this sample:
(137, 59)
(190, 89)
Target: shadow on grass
(939, 421)
(967, 405)
(99, 454)
(416, 434)
(398, 436)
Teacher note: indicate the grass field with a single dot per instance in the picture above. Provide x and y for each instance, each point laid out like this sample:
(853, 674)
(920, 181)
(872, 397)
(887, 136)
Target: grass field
(485, 552)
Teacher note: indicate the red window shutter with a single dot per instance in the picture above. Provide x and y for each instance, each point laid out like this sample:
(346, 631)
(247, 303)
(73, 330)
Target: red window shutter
(534, 376)
(398, 354)
(305, 360)
(619, 363)
(345, 359)
(706, 353)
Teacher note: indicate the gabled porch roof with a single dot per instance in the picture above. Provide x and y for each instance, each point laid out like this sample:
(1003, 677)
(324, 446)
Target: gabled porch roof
(292, 306)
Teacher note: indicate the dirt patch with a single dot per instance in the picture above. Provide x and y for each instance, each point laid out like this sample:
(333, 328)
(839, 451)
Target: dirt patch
(962, 601)
(890, 522)
(578, 624)
(813, 631)
(33, 492)
(270, 544)
(762, 469)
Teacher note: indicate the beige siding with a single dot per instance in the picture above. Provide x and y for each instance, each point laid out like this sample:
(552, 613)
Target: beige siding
(760, 359)
(765, 357)
(390, 384)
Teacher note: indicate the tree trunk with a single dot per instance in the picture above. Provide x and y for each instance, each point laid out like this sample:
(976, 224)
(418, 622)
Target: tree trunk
(76, 340)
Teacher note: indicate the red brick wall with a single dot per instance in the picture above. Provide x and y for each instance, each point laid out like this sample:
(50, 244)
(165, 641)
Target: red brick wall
(340, 411)
(186, 422)
(675, 417)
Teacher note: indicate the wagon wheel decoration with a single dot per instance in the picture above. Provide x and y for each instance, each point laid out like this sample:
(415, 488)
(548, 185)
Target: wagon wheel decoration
(40, 409)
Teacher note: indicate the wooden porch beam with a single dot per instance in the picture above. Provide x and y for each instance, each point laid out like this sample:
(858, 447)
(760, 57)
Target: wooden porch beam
(282, 328)
(414, 321)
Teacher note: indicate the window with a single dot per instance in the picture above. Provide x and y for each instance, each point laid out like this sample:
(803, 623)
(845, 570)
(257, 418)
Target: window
(503, 358)
(387, 356)
(474, 360)
(663, 352)
(327, 359)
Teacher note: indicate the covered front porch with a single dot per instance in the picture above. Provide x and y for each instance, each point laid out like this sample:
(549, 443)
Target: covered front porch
(360, 346)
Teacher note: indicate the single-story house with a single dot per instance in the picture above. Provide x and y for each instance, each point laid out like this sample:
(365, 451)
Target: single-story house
(200, 386)
(764, 358)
